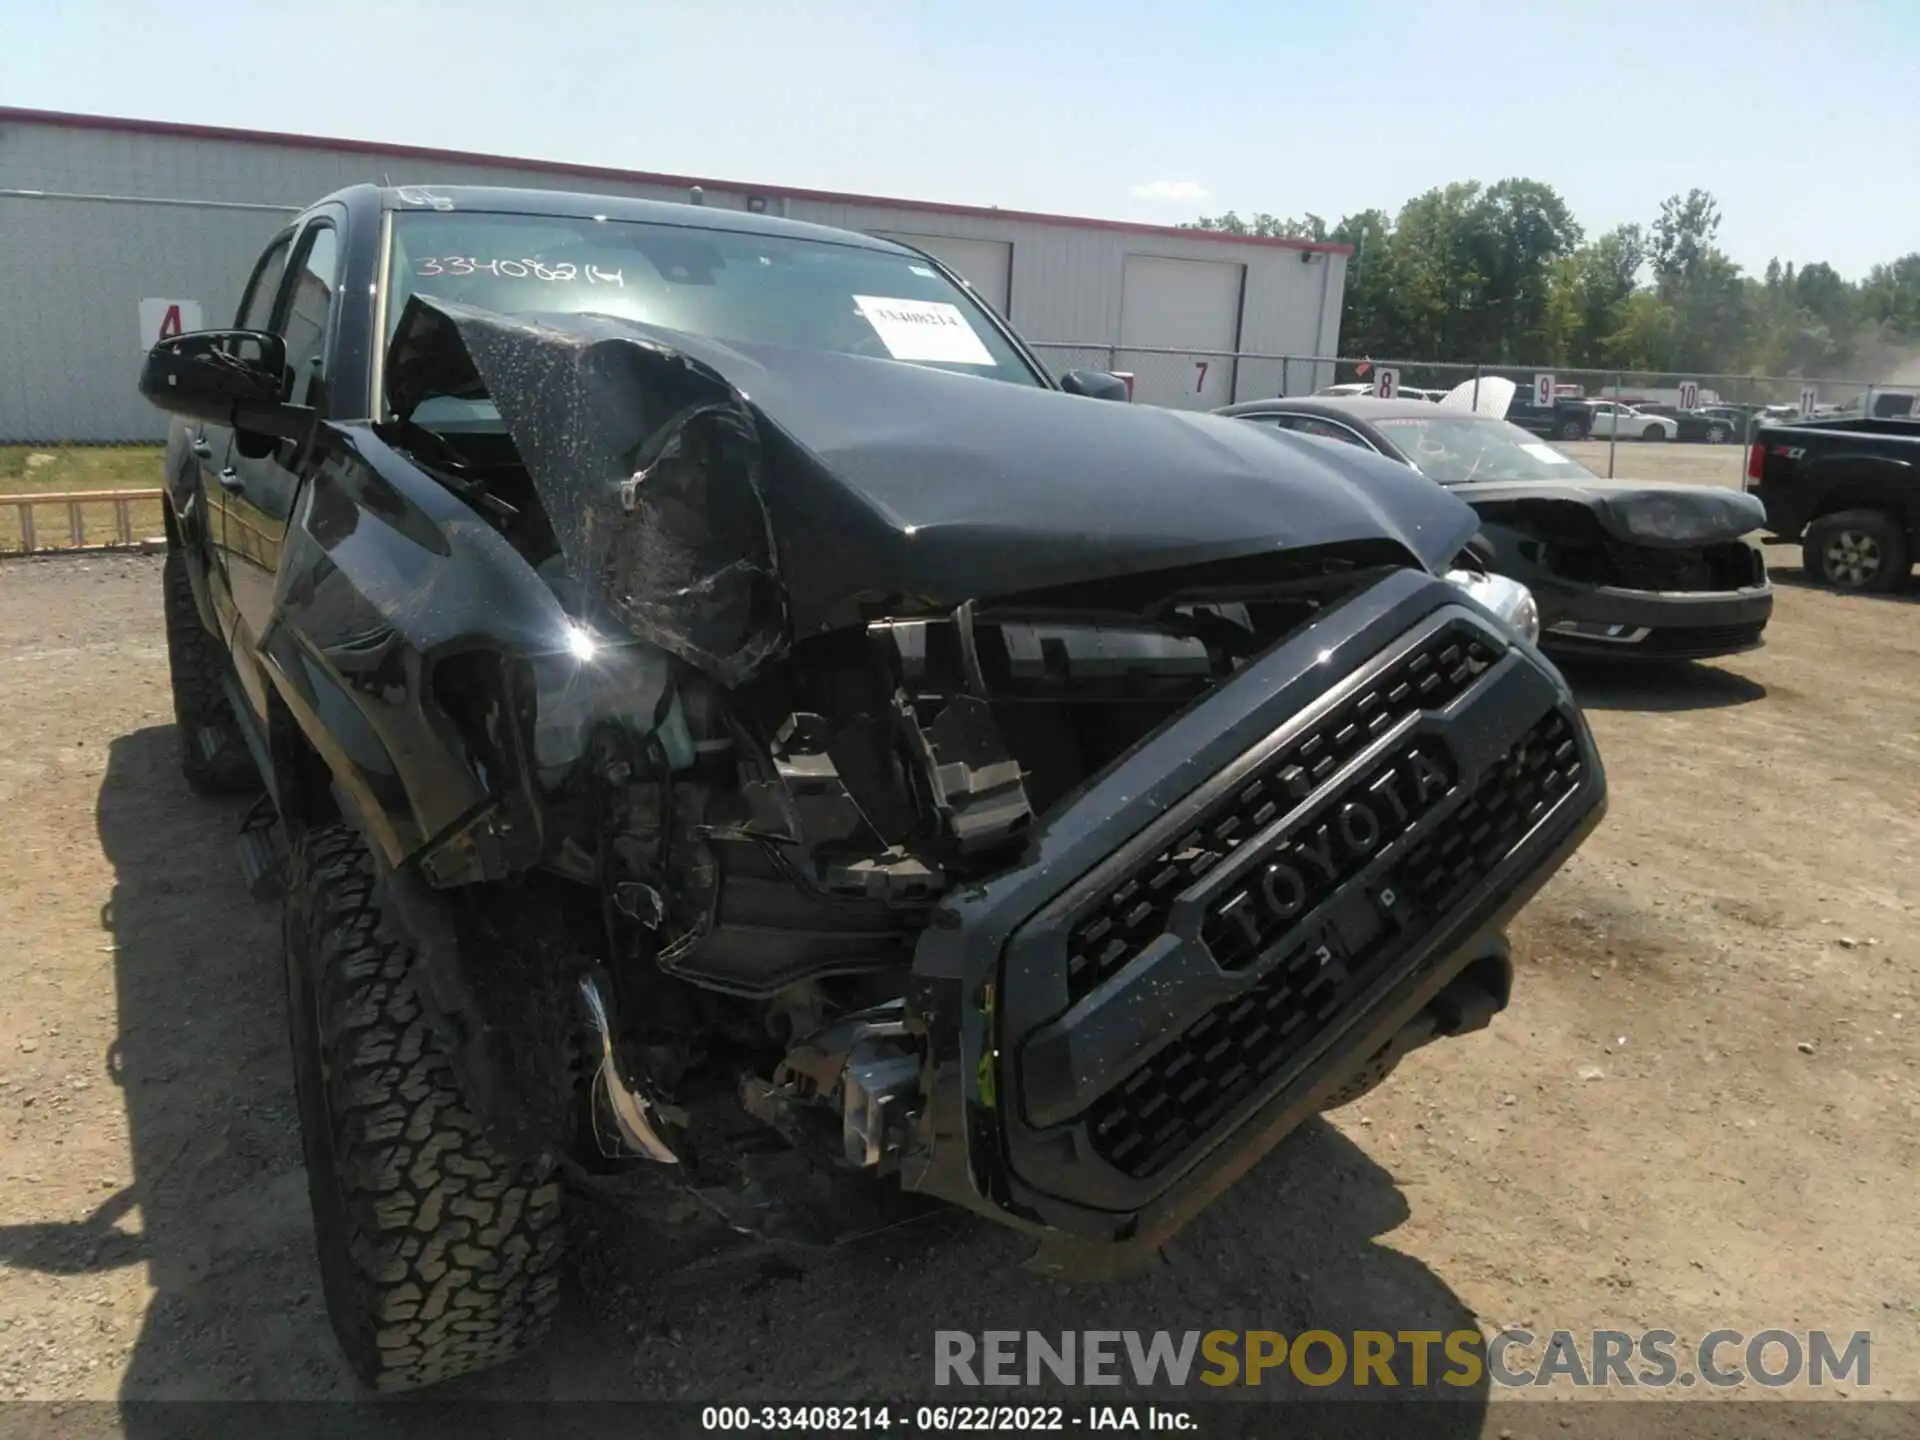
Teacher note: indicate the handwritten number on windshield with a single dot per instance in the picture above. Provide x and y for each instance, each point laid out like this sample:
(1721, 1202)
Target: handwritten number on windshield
(566, 271)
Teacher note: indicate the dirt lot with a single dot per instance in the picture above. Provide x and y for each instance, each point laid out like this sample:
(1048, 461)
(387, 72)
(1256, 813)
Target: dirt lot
(1699, 1113)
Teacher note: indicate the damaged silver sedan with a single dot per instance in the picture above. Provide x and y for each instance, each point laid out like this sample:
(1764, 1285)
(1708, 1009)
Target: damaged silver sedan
(1620, 569)
(733, 727)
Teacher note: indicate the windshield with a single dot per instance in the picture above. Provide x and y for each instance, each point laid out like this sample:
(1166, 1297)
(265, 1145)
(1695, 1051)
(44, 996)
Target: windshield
(723, 284)
(1455, 447)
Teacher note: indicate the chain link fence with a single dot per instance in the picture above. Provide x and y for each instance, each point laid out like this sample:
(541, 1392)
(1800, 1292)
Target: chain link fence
(1600, 412)
(1191, 379)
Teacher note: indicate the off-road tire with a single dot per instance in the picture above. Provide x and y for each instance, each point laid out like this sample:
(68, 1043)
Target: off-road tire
(197, 665)
(1364, 1081)
(438, 1255)
(1572, 430)
(1872, 531)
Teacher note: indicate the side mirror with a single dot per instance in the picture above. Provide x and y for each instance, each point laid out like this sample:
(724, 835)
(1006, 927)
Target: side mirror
(1095, 385)
(228, 377)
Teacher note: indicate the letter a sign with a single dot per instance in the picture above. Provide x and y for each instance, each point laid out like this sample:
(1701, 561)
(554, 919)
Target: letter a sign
(164, 319)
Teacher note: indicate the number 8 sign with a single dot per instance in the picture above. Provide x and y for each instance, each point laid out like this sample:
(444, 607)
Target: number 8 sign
(1386, 383)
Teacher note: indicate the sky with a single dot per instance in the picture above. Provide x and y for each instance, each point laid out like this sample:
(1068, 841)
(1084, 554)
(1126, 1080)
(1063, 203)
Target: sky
(1802, 117)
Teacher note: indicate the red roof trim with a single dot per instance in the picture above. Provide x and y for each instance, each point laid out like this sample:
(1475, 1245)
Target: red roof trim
(604, 172)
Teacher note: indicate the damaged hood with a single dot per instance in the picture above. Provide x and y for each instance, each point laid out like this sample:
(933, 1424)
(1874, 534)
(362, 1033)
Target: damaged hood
(721, 497)
(1643, 513)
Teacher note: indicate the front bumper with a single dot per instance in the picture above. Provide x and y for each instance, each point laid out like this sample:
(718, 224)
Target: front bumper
(1214, 936)
(1662, 625)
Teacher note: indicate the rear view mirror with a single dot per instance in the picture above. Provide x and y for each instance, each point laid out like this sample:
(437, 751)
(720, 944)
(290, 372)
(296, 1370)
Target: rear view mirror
(1095, 385)
(228, 377)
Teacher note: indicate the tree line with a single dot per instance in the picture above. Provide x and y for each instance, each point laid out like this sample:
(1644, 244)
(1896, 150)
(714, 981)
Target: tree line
(1504, 274)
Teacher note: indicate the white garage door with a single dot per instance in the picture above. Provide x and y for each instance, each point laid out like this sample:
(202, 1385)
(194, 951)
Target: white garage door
(987, 265)
(1185, 304)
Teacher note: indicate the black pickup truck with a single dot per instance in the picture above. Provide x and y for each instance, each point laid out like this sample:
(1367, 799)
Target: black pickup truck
(737, 736)
(1847, 492)
(1568, 418)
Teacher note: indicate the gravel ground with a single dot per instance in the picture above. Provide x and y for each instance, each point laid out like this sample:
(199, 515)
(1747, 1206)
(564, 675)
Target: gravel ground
(1699, 1112)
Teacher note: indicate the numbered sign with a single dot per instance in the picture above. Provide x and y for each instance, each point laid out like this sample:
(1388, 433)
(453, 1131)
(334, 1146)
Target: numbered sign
(1689, 394)
(1543, 391)
(1386, 383)
(164, 319)
(1809, 397)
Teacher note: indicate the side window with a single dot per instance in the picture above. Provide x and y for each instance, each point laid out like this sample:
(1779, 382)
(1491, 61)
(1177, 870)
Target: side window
(1325, 430)
(256, 305)
(307, 313)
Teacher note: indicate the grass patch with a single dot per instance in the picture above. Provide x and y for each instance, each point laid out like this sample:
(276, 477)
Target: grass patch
(54, 469)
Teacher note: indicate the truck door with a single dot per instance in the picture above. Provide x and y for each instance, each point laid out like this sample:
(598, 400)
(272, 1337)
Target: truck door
(261, 480)
(212, 444)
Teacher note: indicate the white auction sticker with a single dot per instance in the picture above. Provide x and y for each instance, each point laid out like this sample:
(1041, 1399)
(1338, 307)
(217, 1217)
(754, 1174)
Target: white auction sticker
(1546, 453)
(923, 330)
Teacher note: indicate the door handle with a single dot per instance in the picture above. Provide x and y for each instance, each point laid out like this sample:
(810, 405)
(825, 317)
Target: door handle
(230, 481)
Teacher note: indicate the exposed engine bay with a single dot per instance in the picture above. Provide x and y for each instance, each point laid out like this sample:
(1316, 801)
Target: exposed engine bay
(785, 844)
(763, 859)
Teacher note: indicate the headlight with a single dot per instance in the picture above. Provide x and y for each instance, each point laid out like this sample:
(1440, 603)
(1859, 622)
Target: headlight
(1508, 599)
(1664, 520)
(592, 680)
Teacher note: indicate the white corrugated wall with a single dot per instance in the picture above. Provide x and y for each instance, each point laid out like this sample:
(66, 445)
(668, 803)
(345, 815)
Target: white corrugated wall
(190, 214)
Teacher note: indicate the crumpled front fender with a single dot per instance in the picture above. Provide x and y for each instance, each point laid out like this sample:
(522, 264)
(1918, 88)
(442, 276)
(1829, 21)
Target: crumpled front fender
(385, 581)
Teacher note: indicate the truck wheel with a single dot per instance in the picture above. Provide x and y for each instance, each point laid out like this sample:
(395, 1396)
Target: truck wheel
(438, 1256)
(213, 758)
(1859, 550)
(1570, 430)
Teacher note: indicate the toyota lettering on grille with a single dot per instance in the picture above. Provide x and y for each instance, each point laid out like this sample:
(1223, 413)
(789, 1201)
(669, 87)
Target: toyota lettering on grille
(1307, 866)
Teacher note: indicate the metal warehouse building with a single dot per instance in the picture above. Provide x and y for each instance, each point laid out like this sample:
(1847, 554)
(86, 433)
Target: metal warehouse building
(111, 229)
